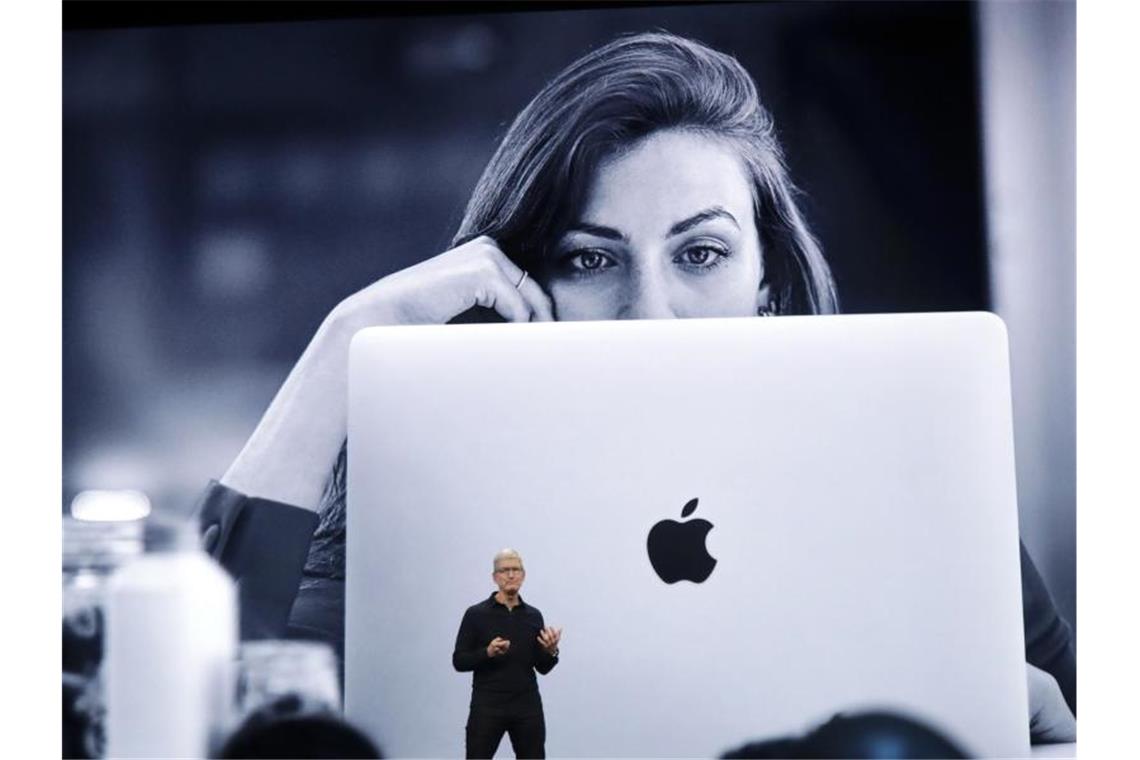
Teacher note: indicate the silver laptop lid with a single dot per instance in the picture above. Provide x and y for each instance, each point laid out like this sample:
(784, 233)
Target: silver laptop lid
(857, 473)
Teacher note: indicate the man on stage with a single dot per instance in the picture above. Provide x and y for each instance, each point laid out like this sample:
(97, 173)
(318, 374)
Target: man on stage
(504, 641)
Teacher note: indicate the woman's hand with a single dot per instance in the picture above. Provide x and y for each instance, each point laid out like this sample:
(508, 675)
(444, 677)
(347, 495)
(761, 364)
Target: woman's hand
(1050, 720)
(291, 452)
(476, 273)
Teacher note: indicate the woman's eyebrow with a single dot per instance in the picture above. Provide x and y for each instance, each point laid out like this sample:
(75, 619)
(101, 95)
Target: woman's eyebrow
(713, 212)
(598, 230)
(609, 233)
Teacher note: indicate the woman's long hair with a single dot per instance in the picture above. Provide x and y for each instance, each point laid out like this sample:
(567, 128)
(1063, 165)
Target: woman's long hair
(535, 184)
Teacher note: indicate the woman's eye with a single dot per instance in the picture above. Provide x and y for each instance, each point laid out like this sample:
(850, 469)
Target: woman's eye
(700, 257)
(589, 261)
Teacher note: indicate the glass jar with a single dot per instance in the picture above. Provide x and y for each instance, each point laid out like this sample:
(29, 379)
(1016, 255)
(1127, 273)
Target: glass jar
(303, 671)
(288, 705)
(92, 551)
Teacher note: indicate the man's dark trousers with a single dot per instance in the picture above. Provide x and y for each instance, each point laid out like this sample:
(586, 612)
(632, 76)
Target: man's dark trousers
(486, 726)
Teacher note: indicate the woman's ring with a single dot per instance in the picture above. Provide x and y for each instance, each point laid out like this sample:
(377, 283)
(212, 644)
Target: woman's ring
(521, 280)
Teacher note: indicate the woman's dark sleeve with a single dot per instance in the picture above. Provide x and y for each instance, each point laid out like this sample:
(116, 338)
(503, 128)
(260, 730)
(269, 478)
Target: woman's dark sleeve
(263, 544)
(1048, 638)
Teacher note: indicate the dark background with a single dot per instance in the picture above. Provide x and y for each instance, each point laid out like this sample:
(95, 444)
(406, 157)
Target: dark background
(226, 184)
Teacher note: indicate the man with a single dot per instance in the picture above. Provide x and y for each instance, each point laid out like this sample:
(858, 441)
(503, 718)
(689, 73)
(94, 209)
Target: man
(504, 641)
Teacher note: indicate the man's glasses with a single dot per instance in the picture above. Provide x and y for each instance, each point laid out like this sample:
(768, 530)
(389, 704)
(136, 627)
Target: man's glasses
(509, 570)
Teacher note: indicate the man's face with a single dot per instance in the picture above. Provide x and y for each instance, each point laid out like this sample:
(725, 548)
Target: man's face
(509, 575)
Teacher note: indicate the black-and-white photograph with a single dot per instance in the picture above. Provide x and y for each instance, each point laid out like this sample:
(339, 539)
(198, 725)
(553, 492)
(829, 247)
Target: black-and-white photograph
(741, 334)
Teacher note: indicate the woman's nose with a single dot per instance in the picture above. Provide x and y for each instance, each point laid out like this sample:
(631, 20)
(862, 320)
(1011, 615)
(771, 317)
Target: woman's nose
(647, 297)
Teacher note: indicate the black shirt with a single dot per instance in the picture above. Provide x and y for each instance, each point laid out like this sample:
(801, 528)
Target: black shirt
(508, 679)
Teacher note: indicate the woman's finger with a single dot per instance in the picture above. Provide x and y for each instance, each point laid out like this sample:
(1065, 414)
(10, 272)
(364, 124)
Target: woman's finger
(492, 291)
(540, 303)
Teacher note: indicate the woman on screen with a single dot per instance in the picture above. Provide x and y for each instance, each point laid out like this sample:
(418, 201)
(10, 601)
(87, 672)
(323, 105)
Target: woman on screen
(644, 181)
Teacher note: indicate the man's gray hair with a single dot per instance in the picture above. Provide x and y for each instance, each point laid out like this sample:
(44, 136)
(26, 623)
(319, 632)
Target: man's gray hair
(506, 554)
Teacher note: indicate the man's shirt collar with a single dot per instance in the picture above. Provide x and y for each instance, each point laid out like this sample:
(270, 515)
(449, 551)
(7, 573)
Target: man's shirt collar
(496, 603)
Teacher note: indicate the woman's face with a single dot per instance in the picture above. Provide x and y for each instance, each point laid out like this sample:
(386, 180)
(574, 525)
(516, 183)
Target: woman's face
(667, 230)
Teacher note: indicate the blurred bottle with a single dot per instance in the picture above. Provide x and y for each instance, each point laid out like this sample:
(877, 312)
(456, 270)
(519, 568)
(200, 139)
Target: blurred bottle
(170, 648)
(92, 551)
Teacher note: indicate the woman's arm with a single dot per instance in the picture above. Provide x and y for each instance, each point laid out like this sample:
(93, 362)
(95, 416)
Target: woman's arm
(258, 521)
(1048, 638)
(291, 452)
(1051, 662)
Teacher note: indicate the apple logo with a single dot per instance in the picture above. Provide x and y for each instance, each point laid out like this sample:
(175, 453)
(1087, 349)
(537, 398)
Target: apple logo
(677, 549)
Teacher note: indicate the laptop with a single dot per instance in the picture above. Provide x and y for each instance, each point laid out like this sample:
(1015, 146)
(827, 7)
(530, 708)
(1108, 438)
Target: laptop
(744, 527)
